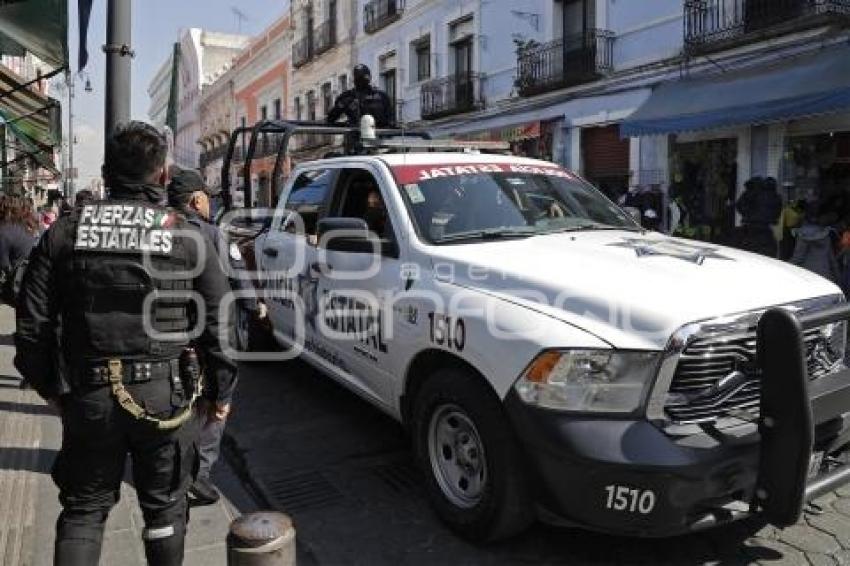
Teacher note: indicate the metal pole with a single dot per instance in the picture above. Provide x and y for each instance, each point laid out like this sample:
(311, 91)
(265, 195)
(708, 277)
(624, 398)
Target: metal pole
(118, 58)
(69, 174)
(3, 166)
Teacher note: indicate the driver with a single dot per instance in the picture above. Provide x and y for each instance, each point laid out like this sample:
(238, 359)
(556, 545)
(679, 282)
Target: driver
(376, 213)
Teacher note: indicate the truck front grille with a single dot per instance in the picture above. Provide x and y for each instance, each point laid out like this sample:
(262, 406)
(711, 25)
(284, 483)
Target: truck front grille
(717, 377)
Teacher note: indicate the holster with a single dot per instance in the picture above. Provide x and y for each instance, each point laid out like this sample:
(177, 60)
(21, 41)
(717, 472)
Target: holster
(190, 373)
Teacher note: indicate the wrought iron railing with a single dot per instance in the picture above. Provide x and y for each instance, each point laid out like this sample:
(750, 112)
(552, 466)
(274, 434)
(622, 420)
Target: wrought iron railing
(212, 155)
(565, 61)
(312, 141)
(302, 51)
(378, 14)
(267, 145)
(710, 23)
(450, 95)
(325, 37)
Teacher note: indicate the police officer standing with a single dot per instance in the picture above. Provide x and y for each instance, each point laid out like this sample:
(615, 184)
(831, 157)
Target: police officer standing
(188, 194)
(363, 99)
(103, 333)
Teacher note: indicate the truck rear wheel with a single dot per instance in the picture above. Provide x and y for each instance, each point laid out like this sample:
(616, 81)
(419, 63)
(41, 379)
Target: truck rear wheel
(473, 469)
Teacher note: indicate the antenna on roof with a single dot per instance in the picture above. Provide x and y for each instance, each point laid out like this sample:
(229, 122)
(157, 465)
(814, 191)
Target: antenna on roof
(240, 17)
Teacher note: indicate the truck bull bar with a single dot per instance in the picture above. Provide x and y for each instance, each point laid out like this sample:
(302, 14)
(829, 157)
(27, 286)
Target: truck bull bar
(792, 407)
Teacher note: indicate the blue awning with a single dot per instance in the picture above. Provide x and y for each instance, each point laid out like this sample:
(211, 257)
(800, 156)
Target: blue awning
(808, 85)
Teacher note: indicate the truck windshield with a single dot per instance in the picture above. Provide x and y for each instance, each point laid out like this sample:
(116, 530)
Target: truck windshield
(504, 201)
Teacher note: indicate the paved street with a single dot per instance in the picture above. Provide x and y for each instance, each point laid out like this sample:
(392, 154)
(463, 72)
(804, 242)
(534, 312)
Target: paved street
(343, 471)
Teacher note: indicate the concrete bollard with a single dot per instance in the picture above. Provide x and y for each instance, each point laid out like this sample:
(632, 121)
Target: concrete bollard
(261, 539)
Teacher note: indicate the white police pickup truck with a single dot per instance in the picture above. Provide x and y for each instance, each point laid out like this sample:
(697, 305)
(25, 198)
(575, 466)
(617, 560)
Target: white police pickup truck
(550, 358)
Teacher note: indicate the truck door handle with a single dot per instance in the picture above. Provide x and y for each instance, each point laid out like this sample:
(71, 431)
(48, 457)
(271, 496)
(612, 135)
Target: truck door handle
(271, 252)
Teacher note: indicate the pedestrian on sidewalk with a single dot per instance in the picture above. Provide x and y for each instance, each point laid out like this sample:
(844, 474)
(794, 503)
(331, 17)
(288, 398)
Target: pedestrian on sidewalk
(121, 374)
(189, 195)
(18, 231)
(814, 249)
(18, 234)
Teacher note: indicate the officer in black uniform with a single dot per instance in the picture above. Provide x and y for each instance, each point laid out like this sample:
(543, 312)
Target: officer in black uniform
(361, 100)
(189, 195)
(118, 277)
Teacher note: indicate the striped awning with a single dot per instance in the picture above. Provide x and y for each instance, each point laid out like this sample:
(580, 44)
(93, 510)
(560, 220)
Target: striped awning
(31, 113)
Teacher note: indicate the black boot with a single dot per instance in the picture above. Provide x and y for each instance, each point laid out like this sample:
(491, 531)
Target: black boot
(79, 537)
(163, 548)
(203, 492)
(76, 552)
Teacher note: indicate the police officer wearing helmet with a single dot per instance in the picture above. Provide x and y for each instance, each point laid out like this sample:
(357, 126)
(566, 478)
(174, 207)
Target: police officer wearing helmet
(363, 99)
(188, 194)
(122, 277)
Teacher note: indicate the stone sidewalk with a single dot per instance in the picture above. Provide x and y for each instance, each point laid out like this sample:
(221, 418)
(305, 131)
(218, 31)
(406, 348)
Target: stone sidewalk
(30, 436)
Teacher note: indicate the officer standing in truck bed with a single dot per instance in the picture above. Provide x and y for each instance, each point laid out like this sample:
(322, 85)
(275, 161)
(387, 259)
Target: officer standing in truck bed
(128, 280)
(361, 100)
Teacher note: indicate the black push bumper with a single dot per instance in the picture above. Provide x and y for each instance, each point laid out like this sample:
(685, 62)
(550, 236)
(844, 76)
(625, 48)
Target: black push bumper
(631, 477)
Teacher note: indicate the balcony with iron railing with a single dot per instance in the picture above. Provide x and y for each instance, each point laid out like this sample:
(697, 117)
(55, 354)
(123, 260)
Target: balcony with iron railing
(719, 24)
(302, 51)
(378, 14)
(212, 155)
(451, 95)
(307, 142)
(325, 36)
(566, 61)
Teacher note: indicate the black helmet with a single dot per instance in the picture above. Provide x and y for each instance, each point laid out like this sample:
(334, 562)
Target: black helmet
(362, 76)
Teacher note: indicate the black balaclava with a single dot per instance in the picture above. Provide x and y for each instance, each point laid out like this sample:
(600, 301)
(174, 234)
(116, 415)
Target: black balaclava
(362, 77)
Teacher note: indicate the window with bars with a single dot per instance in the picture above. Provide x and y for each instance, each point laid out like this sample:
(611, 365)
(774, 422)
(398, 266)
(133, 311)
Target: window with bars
(327, 96)
(343, 83)
(277, 109)
(422, 59)
(298, 109)
(311, 106)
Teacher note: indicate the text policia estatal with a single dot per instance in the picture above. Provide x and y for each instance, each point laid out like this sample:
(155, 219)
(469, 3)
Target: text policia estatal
(124, 228)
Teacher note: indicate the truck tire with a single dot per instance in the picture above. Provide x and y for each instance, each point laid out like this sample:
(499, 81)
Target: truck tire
(465, 446)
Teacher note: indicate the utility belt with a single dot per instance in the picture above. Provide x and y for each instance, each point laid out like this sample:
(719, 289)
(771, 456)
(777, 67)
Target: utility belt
(183, 373)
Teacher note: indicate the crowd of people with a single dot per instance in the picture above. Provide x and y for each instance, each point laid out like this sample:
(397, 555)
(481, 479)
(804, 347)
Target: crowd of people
(811, 233)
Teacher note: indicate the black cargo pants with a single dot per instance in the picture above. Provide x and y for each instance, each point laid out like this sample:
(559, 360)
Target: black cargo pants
(97, 437)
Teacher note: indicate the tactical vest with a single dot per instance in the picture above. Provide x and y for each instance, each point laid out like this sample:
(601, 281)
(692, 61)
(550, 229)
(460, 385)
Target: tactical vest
(129, 281)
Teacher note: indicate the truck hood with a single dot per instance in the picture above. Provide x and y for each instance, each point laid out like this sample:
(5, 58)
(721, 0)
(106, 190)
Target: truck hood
(631, 289)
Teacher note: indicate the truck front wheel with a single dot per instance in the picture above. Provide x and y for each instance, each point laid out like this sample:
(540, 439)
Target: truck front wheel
(474, 472)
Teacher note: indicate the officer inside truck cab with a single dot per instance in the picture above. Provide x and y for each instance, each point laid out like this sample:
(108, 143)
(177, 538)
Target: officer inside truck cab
(361, 100)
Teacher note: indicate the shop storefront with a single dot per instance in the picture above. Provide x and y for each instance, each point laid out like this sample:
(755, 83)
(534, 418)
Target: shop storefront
(703, 181)
(816, 169)
(605, 160)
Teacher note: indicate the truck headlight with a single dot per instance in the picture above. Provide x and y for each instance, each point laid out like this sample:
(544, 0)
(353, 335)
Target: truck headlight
(603, 381)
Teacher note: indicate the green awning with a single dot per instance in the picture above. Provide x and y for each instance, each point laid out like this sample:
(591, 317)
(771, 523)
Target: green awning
(33, 121)
(36, 115)
(32, 113)
(24, 146)
(37, 26)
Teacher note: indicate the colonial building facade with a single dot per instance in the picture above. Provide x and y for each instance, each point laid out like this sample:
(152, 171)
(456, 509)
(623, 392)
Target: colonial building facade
(261, 88)
(203, 57)
(323, 53)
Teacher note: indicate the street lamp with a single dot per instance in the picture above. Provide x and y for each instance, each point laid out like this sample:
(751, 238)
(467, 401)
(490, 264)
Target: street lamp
(69, 87)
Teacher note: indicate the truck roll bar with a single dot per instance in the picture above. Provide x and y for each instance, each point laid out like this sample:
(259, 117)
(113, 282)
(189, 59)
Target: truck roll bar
(288, 128)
